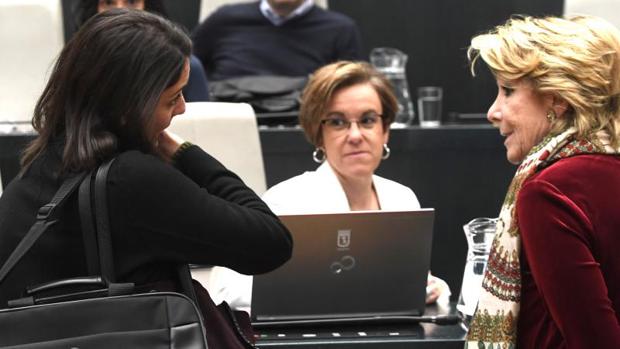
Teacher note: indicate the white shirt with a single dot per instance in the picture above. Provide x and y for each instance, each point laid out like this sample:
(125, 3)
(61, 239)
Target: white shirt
(320, 192)
(278, 20)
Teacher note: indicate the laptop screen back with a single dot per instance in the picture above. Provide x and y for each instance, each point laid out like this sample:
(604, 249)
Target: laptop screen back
(350, 264)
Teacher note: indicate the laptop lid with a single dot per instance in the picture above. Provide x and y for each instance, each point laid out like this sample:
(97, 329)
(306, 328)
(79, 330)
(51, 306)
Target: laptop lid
(347, 265)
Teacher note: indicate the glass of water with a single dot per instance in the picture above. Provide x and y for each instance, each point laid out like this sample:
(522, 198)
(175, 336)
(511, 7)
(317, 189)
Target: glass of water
(429, 105)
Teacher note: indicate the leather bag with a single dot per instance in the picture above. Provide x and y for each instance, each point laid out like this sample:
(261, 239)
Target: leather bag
(265, 93)
(95, 311)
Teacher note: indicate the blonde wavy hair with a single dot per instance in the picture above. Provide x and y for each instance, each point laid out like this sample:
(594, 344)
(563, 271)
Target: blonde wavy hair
(328, 80)
(575, 59)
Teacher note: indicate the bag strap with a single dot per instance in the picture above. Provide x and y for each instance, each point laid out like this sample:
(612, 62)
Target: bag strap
(102, 221)
(104, 237)
(45, 219)
(88, 227)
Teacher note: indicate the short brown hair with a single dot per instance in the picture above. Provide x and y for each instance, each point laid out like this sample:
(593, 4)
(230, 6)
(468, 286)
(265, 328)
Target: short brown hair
(326, 81)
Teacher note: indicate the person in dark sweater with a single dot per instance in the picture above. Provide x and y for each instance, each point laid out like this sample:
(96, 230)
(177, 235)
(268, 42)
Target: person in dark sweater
(112, 94)
(274, 37)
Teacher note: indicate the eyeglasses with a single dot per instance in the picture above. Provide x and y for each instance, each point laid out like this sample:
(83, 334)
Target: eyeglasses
(367, 121)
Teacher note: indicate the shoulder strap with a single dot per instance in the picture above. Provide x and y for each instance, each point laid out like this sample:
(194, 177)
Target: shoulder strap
(45, 219)
(87, 221)
(104, 237)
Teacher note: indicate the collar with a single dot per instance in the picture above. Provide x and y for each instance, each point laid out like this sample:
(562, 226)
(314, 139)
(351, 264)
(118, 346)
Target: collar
(278, 20)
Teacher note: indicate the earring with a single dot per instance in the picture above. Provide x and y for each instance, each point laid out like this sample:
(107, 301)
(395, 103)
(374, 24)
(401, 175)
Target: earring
(386, 151)
(318, 155)
(551, 116)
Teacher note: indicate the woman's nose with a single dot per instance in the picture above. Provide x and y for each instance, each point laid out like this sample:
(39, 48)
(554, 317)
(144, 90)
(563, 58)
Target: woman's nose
(354, 130)
(180, 108)
(494, 115)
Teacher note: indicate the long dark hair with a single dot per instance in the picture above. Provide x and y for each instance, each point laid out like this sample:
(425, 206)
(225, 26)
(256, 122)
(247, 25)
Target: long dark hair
(105, 86)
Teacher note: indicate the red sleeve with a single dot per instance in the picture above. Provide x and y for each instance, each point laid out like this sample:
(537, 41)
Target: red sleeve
(557, 237)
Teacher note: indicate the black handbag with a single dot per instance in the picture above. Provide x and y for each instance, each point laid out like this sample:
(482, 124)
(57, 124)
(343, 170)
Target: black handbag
(95, 311)
(265, 93)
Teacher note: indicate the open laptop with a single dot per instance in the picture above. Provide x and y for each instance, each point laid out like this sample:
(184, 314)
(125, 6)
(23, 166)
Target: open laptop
(348, 267)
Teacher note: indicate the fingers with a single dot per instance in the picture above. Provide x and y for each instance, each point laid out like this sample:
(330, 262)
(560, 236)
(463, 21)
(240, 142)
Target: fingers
(168, 143)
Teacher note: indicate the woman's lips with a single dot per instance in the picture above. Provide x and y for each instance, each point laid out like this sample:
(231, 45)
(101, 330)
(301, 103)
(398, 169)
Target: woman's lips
(356, 153)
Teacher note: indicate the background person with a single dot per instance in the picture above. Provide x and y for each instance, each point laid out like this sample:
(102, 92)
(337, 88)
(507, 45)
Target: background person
(169, 201)
(197, 88)
(273, 37)
(552, 278)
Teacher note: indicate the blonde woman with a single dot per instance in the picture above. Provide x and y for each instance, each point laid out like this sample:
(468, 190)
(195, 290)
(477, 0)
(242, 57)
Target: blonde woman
(552, 279)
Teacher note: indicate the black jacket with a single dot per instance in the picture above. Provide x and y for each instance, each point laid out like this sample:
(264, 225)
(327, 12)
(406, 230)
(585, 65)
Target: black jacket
(195, 212)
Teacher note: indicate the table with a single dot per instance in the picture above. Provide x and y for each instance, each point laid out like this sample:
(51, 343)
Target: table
(391, 336)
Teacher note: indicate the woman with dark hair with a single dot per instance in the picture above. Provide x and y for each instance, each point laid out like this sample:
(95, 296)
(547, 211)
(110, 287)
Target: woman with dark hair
(112, 93)
(197, 88)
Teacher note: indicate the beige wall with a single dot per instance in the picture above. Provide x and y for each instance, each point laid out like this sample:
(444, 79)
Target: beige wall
(607, 9)
(208, 6)
(31, 36)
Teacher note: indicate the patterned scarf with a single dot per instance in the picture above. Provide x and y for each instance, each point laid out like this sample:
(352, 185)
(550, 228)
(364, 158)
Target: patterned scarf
(494, 325)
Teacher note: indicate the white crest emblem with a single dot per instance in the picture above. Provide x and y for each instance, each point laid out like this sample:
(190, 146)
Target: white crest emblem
(344, 239)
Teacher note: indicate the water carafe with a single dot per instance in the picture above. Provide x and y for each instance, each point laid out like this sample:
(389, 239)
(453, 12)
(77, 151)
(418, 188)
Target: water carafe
(391, 62)
(479, 233)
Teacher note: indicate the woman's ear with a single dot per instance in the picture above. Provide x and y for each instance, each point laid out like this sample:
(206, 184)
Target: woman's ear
(559, 106)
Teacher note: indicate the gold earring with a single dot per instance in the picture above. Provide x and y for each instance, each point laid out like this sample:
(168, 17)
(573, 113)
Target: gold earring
(551, 116)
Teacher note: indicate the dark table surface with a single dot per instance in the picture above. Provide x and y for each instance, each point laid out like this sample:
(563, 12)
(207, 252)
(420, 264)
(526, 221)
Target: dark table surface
(393, 335)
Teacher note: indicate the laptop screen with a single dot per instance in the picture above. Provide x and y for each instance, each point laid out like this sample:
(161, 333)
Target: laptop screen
(346, 265)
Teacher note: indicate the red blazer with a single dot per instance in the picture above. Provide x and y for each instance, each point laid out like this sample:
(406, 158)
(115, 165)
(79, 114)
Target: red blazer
(569, 219)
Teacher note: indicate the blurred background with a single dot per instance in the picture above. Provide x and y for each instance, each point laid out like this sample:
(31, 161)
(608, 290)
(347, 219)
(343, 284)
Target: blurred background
(434, 34)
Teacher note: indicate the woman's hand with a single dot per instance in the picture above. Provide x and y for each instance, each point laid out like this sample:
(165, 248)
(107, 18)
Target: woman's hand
(167, 144)
(437, 290)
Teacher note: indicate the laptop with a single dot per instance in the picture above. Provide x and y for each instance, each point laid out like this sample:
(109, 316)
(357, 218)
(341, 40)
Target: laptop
(348, 267)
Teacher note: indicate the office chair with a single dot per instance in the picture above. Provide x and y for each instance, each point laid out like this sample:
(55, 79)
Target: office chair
(229, 132)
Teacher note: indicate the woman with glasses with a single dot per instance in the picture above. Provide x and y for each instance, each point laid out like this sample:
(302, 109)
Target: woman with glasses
(346, 112)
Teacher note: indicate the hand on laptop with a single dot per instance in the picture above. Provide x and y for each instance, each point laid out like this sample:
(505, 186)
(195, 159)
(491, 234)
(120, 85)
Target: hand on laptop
(437, 290)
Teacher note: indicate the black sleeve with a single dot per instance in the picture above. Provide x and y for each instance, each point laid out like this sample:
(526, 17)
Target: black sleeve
(199, 212)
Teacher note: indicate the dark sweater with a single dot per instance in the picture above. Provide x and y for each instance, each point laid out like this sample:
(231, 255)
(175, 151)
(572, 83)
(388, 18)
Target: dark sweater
(198, 212)
(237, 40)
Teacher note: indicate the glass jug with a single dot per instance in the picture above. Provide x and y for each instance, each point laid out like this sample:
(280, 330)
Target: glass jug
(479, 233)
(391, 62)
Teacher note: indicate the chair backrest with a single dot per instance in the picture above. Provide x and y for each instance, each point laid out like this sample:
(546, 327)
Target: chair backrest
(229, 132)
(31, 36)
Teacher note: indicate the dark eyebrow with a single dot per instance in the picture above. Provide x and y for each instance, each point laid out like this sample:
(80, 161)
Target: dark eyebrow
(176, 94)
(335, 114)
